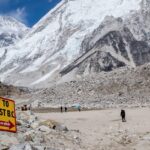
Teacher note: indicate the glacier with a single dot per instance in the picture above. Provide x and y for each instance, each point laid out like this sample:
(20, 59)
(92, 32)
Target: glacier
(55, 41)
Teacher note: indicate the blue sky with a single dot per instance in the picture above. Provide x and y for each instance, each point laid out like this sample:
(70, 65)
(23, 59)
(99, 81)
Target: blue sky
(26, 11)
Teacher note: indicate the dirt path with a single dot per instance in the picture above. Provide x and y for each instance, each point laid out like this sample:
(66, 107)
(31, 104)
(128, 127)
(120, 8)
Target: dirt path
(104, 130)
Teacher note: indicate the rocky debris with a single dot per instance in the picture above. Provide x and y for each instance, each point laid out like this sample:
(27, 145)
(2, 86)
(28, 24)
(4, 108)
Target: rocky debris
(44, 129)
(61, 128)
(49, 123)
(33, 134)
(121, 87)
(118, 140)
(10, 90)
(54, 125)
(25, 146)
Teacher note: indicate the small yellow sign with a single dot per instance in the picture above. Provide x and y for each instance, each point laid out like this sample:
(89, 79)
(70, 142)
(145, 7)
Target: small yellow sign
(7, 115)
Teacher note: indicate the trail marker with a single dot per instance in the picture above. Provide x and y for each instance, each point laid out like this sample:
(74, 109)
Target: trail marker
(7, 115)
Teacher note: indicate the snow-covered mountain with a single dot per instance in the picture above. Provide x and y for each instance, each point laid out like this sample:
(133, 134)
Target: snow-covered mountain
(10, 31)
(80, 37)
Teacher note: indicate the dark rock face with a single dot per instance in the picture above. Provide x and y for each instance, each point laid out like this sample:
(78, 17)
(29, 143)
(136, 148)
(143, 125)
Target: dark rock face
(9, 90)
(100, 61)
(7, 39)
(140, 52)
(115, 43)
(104, 56)
(116, 40)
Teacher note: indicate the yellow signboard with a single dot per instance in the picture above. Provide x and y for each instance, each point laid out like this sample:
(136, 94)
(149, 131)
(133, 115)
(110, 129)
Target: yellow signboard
(7, 115)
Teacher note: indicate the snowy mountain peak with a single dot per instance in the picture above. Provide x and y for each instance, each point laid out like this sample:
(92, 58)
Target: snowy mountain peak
(71, 29)
(11, 31)
(7, 22)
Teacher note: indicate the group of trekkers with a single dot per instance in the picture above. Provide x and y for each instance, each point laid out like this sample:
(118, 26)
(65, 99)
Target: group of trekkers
(122, 114)
(25, 107)
(61, 109)
(65, 109)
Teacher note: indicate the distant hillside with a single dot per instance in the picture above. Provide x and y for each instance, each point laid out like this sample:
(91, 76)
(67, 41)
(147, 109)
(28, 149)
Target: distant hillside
(9, 90)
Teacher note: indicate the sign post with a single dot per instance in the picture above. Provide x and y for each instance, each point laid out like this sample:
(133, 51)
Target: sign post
(7, 115)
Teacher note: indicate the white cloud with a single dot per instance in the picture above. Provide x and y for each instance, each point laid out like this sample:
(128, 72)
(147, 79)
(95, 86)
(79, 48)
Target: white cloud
(20, 14)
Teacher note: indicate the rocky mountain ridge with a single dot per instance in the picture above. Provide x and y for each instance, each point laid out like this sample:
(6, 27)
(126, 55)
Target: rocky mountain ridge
(88, 41)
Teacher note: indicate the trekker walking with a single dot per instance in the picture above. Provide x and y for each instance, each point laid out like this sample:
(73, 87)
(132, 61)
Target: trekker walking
(66, 109)
(61, 109)
(123, 115)
(79, 108)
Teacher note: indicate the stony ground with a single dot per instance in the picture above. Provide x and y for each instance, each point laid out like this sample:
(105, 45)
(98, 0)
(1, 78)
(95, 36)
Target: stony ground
(103, 130)
(85, 130)
(35, 134)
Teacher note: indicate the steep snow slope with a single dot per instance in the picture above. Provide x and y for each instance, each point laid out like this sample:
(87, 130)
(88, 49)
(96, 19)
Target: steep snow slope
(56, 39)
(10, 31)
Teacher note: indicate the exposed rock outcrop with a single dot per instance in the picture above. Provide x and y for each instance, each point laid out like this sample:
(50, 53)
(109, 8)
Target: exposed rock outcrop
(10, 90)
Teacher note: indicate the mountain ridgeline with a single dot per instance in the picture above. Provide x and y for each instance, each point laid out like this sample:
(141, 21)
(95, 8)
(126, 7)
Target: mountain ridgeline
(78, 38)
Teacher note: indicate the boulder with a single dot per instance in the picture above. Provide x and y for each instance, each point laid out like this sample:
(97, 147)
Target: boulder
(49, 123)
(34, 125)
(44, 129)
(61, 127)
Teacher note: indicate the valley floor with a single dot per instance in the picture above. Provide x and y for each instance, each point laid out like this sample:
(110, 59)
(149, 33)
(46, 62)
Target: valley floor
(104, 130)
